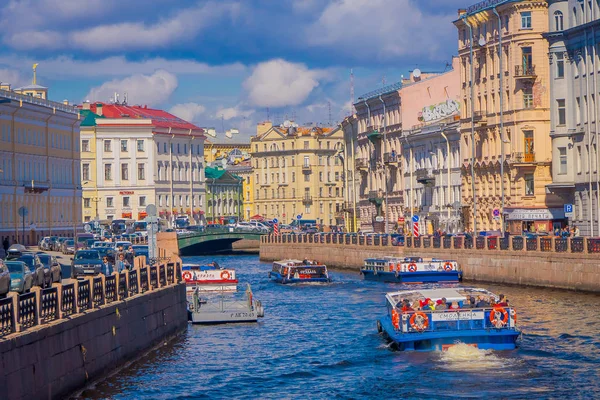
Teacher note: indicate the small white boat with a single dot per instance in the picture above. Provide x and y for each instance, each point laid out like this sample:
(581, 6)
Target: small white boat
(224, 309)
(208, 278)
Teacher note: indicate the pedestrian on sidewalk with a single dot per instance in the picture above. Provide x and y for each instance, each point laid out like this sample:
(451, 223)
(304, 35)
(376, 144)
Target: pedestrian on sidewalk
(5, 244)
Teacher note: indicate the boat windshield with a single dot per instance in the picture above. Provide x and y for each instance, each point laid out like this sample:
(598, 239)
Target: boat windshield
(450, 294)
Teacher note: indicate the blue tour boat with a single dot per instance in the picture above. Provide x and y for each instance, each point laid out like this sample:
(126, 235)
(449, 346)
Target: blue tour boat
(488, 327)
(296, 271)
(411, 270)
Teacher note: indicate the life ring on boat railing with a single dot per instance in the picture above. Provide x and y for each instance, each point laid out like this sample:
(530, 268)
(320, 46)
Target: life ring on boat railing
(419, 321)
(391, 267)
(398, 267)
(412, 267)
(187, 275)
(513, 314)
(395, 318)
(225, 275)
(448, 266)
(498, 317)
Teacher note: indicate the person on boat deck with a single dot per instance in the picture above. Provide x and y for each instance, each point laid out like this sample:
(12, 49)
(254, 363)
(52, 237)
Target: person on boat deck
(441, 304)
(481, 302)
(406, 306)
(454, 306)
(305, 262)
(216, 264)
(428, 306)
(502, 302)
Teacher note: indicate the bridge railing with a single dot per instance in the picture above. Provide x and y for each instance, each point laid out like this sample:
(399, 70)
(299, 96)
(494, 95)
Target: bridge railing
(547, 244)
(42, 306)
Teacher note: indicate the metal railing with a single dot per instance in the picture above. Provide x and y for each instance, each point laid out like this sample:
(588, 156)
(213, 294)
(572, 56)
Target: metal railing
(84, 301)
(49, 304)
(7, 317)
(27, 310)
(522, 71)
(68, 300)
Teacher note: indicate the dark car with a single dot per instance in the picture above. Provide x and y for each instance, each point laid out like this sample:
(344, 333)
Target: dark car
(21, 278)
(141, 250)
(52, 269)
(68, 246)
(86, 262)
(33, 263)
(4, 279)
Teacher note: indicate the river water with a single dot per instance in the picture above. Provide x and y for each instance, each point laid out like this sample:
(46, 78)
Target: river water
(321, 342)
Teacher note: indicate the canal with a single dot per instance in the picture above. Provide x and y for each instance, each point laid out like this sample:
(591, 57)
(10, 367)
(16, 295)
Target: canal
(321, 342)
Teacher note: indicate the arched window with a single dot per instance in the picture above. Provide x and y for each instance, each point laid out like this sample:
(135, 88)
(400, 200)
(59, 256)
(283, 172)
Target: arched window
(558, 20)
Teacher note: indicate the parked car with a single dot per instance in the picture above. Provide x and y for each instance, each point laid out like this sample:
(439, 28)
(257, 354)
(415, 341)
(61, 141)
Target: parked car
(246, 226)
(52, 269)
(68, 246)
(397, 239)
(100, 244)
(21, 278)
(86, 262)
(33, 263)
(58, 243)
(51, 241)
(122, 243)
(44, 242)
(4, 279)
(107, 252)
(140, 250)
(262, 227)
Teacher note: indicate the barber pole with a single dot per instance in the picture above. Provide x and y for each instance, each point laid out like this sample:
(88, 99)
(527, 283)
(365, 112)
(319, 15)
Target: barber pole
(415, 229)
(276, 229)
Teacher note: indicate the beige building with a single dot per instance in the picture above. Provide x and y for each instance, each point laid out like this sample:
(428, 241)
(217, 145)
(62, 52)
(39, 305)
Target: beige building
(39, 166)
(505, 109)
(298, 171)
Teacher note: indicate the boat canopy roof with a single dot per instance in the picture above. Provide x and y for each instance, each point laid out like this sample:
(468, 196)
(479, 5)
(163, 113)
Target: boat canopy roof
(405, 259)
(198, 267)
(451, 294)
(298, 263)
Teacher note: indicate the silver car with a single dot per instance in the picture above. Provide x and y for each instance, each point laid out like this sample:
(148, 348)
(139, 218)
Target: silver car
(4, 279)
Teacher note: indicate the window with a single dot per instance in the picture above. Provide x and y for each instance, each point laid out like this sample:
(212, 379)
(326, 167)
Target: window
(108, 172)
(528, 145)
(529, 185)
(293, 177)
(141, 172)
(85, 172)
(107, 146)
(140, 145)
(85, 145)
(528, 97)
(562, 112)
(526, 20)
(164, 147)
(306, 145)
(558, 21)
(142, 201)
(110, 202)
(560, 65)
(306, 161)
(126, 202)
(306, 178)
(86, 203)
(123, 145)
(184, 148)
(124, 172)
(562, 166)
(320, 176)
(178, 149)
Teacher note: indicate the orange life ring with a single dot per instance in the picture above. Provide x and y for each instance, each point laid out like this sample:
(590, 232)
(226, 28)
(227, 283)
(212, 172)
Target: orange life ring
(448, 266)
(225, 275)
(421, 324)
(187, 275)
(498, 322)
(398, 266)
(395, 318)
(391, 267)
(514, 315)
(412, 267)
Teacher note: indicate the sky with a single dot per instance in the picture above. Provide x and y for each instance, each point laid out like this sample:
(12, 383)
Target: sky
(226, 63)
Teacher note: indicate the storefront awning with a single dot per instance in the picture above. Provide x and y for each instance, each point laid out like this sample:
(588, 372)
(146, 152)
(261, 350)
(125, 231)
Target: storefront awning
(533, 214)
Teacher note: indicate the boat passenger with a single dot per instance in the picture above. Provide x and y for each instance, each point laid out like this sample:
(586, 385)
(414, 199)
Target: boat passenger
(406, 306)
(481, 302)
(441, 304)
(502, 302)
(454, 306)
(428, 306)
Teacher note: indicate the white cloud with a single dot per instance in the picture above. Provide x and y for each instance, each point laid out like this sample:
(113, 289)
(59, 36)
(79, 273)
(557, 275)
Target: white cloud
(393, 28)
(141, 89)
(279, 83)
(12, 77)
(233, 112)
(188, 111)
(35, 39)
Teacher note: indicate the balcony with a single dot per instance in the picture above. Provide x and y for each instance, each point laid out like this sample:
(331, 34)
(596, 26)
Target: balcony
(480, 117)
(424, 176)
(376, 197)
(306, 168)
(525, 72)
(362, 164)
(307, 200)
(373, 133)
(522, 158)
(390, 158)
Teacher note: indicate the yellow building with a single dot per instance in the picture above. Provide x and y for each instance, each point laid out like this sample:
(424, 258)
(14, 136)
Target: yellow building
(244, 170)
(297, 171)
(221, 151)
(39, 166)
(506, 112)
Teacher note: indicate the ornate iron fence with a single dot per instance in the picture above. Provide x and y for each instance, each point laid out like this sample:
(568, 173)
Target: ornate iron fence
(437, 242)
(144, 284)
(447, 242)
(518, 242)
(417, 242)
(110, 288)
(161, 275)
(504, 243)
(153, 276)
(98, 292)
(376, 240)
(593, 245)
(560, 245)
(7, 317)
(27, 310)
(408, 241)
(49, 305)
(531, 244)
(385, 240)
(133, 282)
(458, 242)
(480, 243)
(68, 304)
(170, 273)
(469, 242)
(83, 295)
(577, 245)
(546, 244)
(426, 241)
(122, 286)
(492, 243)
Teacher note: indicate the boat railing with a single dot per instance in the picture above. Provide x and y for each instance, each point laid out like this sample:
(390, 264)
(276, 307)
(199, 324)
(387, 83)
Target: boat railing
(222, 303)
(456, 320)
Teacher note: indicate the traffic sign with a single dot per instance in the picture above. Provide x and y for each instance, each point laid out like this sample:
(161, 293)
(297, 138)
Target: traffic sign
(151, 210)
(569, 210)
(275, 220)
(379, 219)
(415, 218)
(298, 216)
(401, 220)
(23, 211)
(496, 214)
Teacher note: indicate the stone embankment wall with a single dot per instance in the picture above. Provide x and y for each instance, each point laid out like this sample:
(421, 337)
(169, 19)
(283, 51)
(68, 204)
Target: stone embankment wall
(566, 270)
(246, 244)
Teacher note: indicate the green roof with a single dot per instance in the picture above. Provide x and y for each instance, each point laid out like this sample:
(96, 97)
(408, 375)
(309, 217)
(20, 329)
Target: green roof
(213, 173)
(89, 118)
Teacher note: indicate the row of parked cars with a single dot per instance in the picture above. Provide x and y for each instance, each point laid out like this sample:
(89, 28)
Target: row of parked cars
(21, 270)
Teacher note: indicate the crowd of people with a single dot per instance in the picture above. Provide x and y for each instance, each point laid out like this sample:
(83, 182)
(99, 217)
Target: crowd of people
(123, 261)
(427, 304)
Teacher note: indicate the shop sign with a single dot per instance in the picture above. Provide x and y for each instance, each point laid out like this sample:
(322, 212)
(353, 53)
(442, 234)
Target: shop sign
(538, 214)
(126, 192)
(439, 111)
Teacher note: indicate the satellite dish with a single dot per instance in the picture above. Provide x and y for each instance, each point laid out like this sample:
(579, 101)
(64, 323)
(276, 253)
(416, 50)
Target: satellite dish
(417, 73)
(287, 124)
(214, 151)
(482, 42)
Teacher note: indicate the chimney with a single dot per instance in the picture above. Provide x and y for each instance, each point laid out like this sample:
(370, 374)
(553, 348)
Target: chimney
(85, 105)
(99, 108)
(66, 102)
(263, 127)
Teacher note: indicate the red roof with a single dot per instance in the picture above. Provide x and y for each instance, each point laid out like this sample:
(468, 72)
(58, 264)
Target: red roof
(160, 118)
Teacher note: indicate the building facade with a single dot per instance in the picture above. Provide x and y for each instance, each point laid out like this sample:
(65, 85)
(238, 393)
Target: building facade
(377, 149)
(245, 171)
(574, 43)
(40, 191)
(224, 196)
(142, 156)
(506, 117)
(431, 151)
(298, 172)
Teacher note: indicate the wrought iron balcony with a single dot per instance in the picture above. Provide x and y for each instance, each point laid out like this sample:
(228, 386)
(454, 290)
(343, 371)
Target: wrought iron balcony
(525, 72)
(522, 158)
(424, 176)
(307, 199)
(362, 163)
(306, 168)
(390, 158)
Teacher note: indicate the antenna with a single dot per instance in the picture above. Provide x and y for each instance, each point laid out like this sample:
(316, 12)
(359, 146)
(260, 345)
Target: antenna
(222, 123)
(351, 91)
(383, 81)
(329, 108)
(268, 115)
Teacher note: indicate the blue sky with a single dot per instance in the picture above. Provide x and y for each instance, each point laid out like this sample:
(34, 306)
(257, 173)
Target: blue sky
(223, 63)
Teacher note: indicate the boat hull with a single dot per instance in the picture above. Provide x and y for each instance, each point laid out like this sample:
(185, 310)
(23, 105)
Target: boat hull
(284, 280)
(413, 277)
(223, 317)
(486, 339)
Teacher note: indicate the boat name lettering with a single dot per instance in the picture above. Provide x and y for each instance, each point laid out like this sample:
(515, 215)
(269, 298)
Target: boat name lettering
(306, 271)
(242, 315)
(458, 315)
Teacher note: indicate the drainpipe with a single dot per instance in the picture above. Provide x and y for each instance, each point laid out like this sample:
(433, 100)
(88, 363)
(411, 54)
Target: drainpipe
(385, 174)
(472, 73)
(501, 82)
(589, 135)
(410, 169)
(448, 168)
(354, 220)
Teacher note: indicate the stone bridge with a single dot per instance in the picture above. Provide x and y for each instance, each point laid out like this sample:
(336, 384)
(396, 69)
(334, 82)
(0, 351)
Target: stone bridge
(192, 244)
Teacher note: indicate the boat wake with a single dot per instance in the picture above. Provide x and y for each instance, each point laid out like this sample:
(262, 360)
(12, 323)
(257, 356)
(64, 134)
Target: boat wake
(463, 357)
